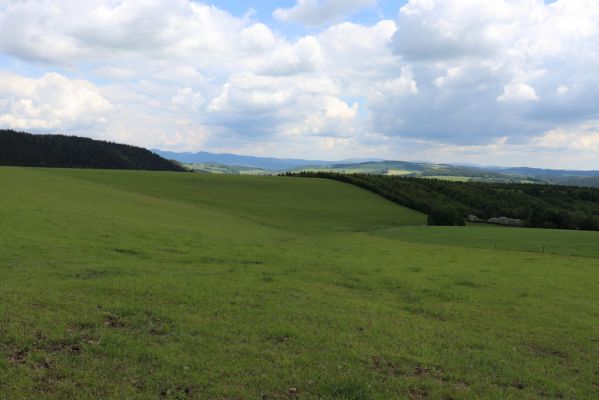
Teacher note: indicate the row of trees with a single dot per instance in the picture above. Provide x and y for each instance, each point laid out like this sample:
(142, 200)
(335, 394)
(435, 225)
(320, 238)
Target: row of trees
(448, 203)
(27, 150)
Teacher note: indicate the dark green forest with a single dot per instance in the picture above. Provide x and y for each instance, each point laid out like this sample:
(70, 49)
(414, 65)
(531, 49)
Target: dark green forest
(449, 203)
(27, 150)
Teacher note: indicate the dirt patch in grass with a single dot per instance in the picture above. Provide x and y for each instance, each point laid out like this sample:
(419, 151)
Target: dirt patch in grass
(113, 321)
(178, 392)
(159, 327)
(418, 393)
(386, 367)
(18, 357)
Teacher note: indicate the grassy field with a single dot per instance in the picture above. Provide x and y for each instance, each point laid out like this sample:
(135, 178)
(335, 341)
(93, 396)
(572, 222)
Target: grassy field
(398, 172)
(487, 236)
(214, 168)
(136, 285)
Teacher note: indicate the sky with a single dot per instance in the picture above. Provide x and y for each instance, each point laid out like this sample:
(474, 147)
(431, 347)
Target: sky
(491, 82)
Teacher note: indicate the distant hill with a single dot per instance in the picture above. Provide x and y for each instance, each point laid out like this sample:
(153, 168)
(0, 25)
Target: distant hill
(27, 150)
(590, 181)
(236, 164)
(235, 160)
(555, 176)
(270, 163)
(422, 170)
(556, 173)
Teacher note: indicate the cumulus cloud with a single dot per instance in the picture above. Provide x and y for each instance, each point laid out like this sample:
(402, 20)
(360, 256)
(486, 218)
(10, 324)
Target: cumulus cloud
(50, 102)
(264, 106)
(583, 138)
(567, 147)
(456, 76)
(70, 31)
(518, 92)
(320, 12)
(492, 69)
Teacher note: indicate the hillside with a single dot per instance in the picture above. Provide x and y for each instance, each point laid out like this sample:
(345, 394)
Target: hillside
(24, 149)
(158, 285)
(449, 203)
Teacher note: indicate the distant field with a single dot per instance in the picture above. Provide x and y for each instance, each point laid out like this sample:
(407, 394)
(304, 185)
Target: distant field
(577, 243)
(138, 285)
(449, 178)
(396, 172)
(212, 168)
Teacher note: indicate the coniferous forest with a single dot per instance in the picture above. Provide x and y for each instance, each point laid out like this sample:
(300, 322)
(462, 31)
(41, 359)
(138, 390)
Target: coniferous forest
(27, 150)
(449, 203)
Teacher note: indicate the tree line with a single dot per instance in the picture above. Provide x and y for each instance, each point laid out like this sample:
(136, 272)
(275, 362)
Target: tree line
(27, 150)
(449, 203)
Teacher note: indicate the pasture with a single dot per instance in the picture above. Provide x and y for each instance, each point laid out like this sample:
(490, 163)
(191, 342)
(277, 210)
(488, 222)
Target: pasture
(148, 285)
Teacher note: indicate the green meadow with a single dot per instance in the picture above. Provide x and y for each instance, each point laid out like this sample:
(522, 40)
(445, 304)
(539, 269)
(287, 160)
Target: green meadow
(149, 285)
(487, 236)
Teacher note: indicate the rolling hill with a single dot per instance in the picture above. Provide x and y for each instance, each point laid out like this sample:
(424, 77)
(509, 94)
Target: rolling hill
(25, 149)
(160, 285)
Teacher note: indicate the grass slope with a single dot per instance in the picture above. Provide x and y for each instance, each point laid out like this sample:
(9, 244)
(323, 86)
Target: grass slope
(184, 286)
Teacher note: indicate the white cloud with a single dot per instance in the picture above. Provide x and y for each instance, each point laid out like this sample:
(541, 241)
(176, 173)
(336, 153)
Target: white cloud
(320, 12)
(518, 92)
(562, 90)
(490, 69)
(458, 75)
(433, 29)
(186, 97)
(583, 138)
(71, 31)
(268, 106)
(115, 73)
(50, 102)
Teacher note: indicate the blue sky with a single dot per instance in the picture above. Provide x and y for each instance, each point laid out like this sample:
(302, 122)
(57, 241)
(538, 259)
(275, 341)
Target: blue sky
(264, 9)
(485, 81)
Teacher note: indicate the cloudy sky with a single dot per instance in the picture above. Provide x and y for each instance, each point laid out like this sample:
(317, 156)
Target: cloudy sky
(496, 82)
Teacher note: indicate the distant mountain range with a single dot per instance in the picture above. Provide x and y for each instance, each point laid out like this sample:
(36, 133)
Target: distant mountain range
(266, 163)
(238, 164)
